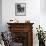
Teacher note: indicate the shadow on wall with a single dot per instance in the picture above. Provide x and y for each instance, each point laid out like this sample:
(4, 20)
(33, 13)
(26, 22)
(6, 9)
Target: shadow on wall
(43, 6)
(0, 15)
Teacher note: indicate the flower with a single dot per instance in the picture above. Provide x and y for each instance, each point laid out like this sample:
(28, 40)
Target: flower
(40, 33)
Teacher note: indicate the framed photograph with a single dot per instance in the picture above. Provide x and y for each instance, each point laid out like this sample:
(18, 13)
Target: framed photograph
(20, 9)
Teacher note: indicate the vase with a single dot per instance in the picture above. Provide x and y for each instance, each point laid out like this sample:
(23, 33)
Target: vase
(41, 43)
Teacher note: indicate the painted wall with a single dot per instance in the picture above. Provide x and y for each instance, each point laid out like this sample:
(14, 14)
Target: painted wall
(33, 13)
(43, 6)
(43, 14)
(0, 15)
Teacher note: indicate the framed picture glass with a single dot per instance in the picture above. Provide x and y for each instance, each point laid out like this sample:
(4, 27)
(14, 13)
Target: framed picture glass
(20, 9)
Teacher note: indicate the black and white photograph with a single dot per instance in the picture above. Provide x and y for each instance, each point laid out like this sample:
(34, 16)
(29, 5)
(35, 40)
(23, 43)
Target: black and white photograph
(20, 9)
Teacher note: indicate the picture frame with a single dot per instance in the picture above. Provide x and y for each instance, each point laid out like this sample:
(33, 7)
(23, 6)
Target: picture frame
(20, 9)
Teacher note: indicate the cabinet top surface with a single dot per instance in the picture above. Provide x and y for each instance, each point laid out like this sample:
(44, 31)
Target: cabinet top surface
(19, 23)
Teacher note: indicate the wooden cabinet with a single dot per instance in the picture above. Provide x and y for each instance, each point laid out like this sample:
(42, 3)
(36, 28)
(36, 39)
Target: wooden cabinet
(22, 33)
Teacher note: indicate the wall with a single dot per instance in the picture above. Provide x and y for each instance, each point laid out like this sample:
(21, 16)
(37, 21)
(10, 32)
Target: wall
(0, 14)
(33, 13)
(43, 14)
(43, 6)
